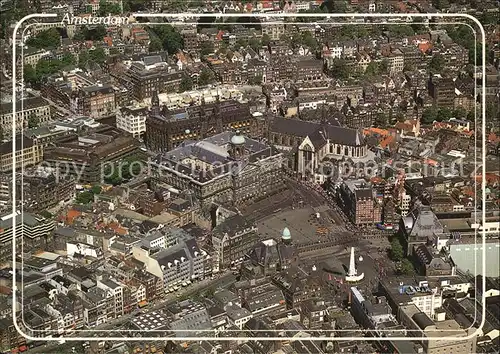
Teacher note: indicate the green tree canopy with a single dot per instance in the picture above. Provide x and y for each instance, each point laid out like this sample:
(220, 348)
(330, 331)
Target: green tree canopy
(206, 77)
(124, 170)
(401, 30)
(96, 189)
(44, 68)
(308, 40)
(206, 48)
(417, 26)
(33, 122)
(155, 45)
(335, 6)
(254, 43)
(68, 59)
(255, 80)
(396, 252)
(384, 66)
(85, 197)
(30, 75)
(429, 115)
(464, 36)
(437, 63)
(170, 38)
(441, 4)
(444, 114)
(381, 120)
(266, 39)
(186, 84)
(106, 8)
(97, 55)
(377, 68)
(460, 113)
(372, 69)
(97, 33)
(339, 69)
(406, 267)
(135, 5)
(408, 67)
(50, 38)
(241, 43)
(46, 214)
(131, 167)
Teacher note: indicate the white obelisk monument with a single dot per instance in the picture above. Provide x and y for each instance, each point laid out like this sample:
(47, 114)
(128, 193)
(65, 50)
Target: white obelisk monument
(352, 273)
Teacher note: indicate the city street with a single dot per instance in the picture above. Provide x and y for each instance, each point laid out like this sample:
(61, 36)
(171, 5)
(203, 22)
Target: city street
(63, 111)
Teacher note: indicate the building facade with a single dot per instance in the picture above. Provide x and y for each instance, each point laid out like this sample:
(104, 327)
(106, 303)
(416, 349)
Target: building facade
(442, 91)
(95, 101)
(86, 156)
(29, 111)
(35, 231)
(232, 240)
(27, 154)
(44, 191)
(166, 129)
(175, 265)
(144, 80)
(132, 120)
(358, 200)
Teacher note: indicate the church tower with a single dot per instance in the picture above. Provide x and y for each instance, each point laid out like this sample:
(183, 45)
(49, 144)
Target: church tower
(155, 104)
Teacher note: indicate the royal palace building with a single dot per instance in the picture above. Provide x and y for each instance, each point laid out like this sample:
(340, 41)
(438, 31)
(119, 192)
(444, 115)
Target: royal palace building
(166, 129)
(224, 168)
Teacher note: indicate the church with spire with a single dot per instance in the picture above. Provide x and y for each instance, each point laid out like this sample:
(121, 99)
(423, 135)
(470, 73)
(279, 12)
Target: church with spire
(315, 145)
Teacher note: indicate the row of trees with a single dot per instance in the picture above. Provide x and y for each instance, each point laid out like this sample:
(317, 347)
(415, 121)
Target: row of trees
(106, 8)
(396, 253)
(44, 68)
(429, 115)
(206, 77)
(340, 69)
(35, 76)
(432, 114)
(463, 35)
(97, 55)
(48, 39)
(123, 170)
(165, 37)
(96, 33)
(207, 47)
(86, 197)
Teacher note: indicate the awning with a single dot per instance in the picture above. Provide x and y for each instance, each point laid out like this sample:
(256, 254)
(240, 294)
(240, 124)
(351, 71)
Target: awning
(143, 303)
(23, 348)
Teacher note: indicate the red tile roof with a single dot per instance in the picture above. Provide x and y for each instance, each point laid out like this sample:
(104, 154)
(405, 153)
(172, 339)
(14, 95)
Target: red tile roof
(388, 140)
(424, 47)
(72, 215)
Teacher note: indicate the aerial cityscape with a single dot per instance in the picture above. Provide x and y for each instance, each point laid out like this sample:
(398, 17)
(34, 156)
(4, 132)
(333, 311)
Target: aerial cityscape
(238, 177)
